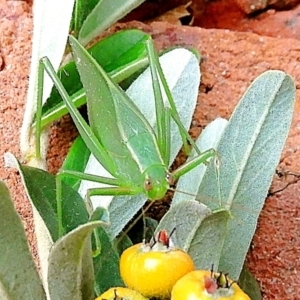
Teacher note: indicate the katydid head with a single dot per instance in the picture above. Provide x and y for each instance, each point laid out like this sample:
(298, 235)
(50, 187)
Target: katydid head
(156, 181)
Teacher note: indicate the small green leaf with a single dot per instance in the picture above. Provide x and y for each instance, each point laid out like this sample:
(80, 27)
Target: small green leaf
(82, 9)
(118, 52)
(248, 152)
(76, 160)
(249, 285)
(19, 278)
(105, 14)
(122, 242)
(185, 224)
(100, 214)
(207, 243)
(70, 272)
(106, 265)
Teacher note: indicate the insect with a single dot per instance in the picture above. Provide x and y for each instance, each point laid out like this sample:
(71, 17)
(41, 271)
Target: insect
(118, 134)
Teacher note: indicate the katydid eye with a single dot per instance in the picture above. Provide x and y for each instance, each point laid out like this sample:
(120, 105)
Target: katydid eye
(170, 179)
(148, 184)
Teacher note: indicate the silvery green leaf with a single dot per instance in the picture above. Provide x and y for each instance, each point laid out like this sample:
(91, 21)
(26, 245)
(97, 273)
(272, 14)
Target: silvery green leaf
(249, 151)
(49, 39)
(71, 273)
(19, 278)
(198, 231)
(189, 183)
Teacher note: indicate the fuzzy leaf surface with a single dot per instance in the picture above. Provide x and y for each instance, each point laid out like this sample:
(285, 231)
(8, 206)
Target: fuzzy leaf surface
(19, 278)
(71, 272)
(249, 151)
(197, 231)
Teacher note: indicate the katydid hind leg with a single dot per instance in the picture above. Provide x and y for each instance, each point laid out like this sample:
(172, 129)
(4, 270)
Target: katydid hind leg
(168, 136)
(85, 131)
(161, 118)
(202, 157)
(38, 128)
(186, 138)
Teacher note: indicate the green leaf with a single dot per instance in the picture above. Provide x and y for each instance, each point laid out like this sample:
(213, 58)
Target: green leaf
(248, 152)
(121, 54)
(249, 285)
(190, 182)
(81, 10)
(143, 229)
(209, 237)
(76, 160)
(105, 13)
(41, 189)
(106, 265)
(100, 214)
(198, 231)
(70, 273)
(19, 278)
(122, 242)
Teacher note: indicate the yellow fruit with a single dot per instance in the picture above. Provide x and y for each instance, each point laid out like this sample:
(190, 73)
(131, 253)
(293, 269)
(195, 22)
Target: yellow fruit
(121, 293)
(200, 285)
(153, 270)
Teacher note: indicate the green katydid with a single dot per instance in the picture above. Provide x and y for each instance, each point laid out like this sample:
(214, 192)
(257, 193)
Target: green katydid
(118, 134)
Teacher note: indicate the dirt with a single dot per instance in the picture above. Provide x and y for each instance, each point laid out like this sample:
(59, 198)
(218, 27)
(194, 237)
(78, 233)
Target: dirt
(235, 48)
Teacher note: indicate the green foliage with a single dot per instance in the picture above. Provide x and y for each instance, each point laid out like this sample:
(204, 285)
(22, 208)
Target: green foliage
(249, 285)
(103, 15)
(80, 12)
(256, 133)
(198, 228)
(231, 188)
(106, 264)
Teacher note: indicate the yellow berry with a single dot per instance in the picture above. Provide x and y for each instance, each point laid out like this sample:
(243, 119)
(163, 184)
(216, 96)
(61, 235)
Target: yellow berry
(199, 285)
(153, 271)
(121, 293)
